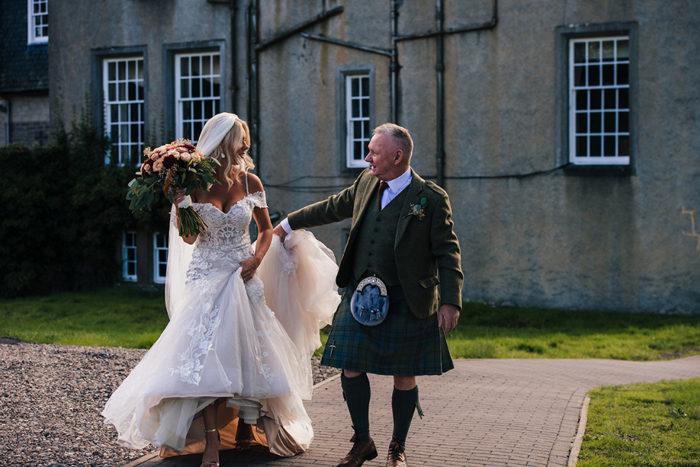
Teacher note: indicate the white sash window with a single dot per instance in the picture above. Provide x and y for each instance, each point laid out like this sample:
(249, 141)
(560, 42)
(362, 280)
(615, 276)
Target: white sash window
(37, 21)
(160, 257)
(599, 101)
(129, 257)
(357, 119)
(197, 92)
(123, 90)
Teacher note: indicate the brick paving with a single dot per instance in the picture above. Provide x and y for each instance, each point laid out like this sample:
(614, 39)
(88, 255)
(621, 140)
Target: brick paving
(483, 413)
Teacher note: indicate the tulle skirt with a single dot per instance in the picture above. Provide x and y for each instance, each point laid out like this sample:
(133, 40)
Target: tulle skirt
(226, 345)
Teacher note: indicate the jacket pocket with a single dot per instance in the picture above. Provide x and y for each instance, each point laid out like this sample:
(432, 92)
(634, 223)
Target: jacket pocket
(429, 282)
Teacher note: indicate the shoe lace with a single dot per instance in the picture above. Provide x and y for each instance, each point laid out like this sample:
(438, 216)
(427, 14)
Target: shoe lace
(395, 451)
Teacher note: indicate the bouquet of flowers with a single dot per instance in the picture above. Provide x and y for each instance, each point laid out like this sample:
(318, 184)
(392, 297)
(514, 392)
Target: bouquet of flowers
(176, 165)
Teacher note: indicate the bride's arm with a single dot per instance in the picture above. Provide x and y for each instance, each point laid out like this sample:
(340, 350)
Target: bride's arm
(262, 219)
(178, 196)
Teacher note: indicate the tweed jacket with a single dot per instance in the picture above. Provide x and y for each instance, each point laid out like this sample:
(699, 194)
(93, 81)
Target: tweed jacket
(426, 248)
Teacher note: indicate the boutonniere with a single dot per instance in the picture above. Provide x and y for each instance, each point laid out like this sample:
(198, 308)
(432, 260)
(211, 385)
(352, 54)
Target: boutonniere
(417, 210)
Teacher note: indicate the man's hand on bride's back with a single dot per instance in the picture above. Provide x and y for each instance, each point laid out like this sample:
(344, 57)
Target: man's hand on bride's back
(279, 230)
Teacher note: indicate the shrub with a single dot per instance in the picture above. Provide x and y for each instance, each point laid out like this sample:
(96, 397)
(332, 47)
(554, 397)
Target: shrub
(63, 213)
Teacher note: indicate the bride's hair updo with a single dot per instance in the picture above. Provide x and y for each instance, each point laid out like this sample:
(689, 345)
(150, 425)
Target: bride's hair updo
(226, 151)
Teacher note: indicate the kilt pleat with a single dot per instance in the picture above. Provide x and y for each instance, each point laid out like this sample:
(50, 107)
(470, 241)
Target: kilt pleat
(402, 345)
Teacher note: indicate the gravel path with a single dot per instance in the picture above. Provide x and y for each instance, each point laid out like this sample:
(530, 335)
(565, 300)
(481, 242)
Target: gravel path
(51, 397)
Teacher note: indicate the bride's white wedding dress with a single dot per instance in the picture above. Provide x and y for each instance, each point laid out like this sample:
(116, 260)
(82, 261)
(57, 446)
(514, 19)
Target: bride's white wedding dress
(224, 343)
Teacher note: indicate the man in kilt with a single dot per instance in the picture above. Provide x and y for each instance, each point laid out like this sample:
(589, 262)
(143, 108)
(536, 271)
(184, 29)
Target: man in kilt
(402, 233)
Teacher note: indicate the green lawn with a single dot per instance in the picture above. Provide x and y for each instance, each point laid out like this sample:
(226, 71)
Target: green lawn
(643, 425)
(116, 317)
(128, 317)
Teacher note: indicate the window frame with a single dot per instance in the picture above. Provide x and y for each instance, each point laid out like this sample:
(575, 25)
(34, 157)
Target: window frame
(134, 159)
(565, 123)
(344, 76)
(170, 53)
(181, 100)
(126, 277)
(157, 278)
(32, 38)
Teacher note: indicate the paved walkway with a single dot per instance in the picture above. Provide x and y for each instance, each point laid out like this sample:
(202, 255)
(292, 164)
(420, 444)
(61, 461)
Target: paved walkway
(482, 413)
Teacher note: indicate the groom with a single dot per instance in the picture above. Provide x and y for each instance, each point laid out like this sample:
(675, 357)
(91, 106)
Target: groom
(402, 233)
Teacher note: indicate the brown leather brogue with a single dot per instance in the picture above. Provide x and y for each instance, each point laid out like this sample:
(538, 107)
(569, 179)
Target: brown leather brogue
(397, 454)
(359, 453)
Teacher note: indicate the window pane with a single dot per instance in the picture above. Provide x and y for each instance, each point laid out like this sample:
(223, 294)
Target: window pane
(216, 67)
(184, 66)
(594, 75)
(609, 146)
(623, 74)
(595, 122)
(593, 52)
(195, 66)
(623, 50)
(608, 51)
(357, 151)
(623, 146)
(623, 122)
(579, 52)
(595, 146)
(132, 70)
(355, 87)
(185, 88)
(132, 91)
(206, 88)
(112, 71)
(365, 87)
(580, 76)
(197, 107)
(112, 94)
(366, 132)
(623, 98)
(609, 98)
(581, 100)
(208, 109)
(357, 129)
(365, 107)
(195, 88)
(355, 108)
(596, 98)
(608, 75)
(581, 123)
(581, 146)
(206, 65)
(215, 88)
(122, 71)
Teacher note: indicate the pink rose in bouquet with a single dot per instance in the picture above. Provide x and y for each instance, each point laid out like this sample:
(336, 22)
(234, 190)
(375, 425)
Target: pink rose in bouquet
(177, 165)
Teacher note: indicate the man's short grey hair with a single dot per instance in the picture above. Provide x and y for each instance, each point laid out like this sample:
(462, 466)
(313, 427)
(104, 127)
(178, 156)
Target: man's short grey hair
(402, 136)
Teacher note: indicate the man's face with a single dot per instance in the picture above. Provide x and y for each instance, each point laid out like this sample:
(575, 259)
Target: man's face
(382, 150)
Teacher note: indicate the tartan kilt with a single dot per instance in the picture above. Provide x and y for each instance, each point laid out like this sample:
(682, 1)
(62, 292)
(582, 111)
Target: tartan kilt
(402, 345)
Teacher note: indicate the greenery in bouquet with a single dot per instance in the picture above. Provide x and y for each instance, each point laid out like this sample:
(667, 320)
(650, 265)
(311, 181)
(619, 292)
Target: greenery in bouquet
(174, 165)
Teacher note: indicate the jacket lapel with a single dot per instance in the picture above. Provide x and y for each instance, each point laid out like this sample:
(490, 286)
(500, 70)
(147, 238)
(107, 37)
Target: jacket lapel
(412, 197)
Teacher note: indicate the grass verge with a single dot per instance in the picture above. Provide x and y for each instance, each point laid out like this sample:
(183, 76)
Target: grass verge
(643, 425)
(127, 317)
(115, 317)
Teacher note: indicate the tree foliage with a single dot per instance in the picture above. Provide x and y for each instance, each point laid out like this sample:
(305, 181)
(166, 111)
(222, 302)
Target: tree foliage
(63, 214)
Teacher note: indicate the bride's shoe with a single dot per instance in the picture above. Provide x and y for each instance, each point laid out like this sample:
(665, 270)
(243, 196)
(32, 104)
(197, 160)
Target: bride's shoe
(242, 442)
(211, 463)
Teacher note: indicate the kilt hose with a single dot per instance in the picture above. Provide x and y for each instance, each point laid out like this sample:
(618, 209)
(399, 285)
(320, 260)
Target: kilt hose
(402, 345)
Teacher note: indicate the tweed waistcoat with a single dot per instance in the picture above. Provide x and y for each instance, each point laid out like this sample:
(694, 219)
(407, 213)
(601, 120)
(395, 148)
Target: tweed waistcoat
(374, 246)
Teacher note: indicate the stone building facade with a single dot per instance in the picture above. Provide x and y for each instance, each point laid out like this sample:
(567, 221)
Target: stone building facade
(24, 73)
(564, 132)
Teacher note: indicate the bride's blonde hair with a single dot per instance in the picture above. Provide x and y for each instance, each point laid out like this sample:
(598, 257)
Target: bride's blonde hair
(225, 152)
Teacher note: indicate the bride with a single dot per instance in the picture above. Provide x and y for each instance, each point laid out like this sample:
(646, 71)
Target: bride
(234, 363)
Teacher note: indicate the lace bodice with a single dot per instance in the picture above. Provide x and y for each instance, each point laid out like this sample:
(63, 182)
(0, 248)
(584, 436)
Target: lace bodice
(226, 242)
